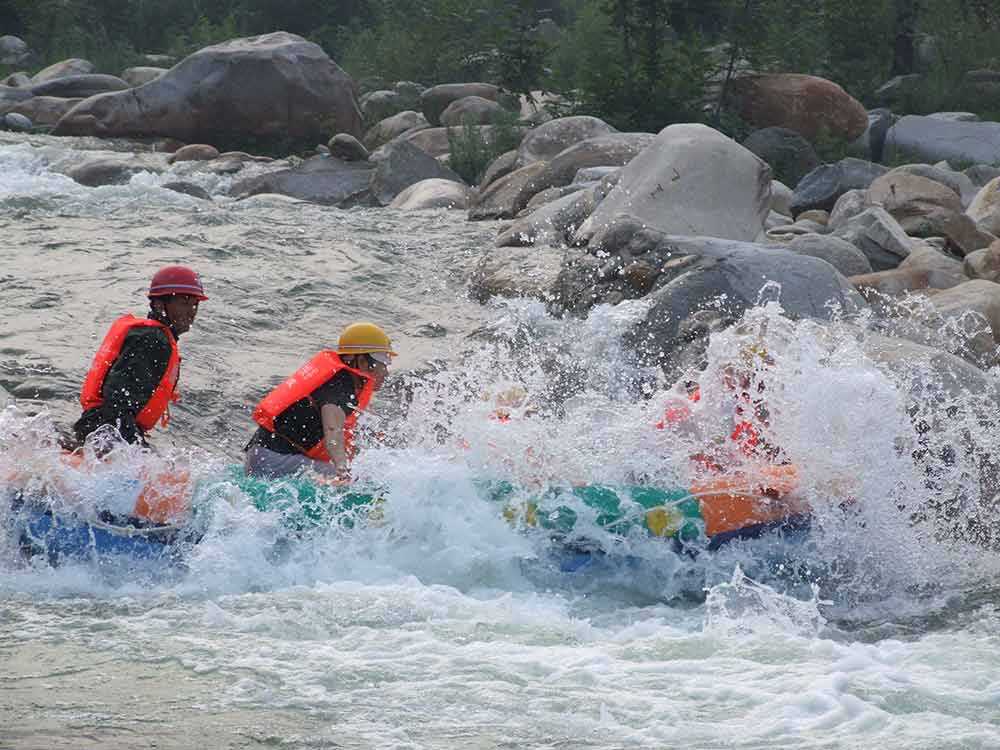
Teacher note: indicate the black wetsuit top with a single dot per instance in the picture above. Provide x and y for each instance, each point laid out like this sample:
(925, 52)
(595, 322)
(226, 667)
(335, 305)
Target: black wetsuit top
(300, 426)
(129, 385)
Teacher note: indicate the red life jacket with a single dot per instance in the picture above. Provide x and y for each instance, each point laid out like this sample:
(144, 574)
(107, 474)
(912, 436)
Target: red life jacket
(300, 385)
(157, 408)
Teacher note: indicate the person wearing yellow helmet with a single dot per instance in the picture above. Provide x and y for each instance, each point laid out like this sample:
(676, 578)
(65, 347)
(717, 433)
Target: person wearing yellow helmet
(307, 422)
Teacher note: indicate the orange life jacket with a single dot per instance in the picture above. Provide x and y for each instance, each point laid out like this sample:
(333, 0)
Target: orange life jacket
(300, 385)
(157, 408)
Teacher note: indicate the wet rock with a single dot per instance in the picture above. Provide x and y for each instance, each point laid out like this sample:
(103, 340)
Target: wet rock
(347, 147)
(983, 264)
(392, 127)
(552, 223)
(436, 99)
(981, 299)
(514, 273)
(432, 193)
(322, 180)
(824, 185)
(13, 50)
(140, 75)
(790, 156)
(550, 194)
(678, 184)
(474, 110)
(188, 188)
(502, 166)
(228, 91)
(507, 196)
(401, 164)
(839, 253)
(194, 152)
(548, 140)
(850, 204)
(811, 106)
(892, 283)
(594, 174)
(72, 67)
(985, 208)
(943, 271)
(115, 171)
(16, 122)
(79, 87)
(876, 234)
(930, 140)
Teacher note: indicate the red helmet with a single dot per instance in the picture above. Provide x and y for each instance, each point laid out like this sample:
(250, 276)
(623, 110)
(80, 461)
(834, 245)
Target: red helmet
(176, 280)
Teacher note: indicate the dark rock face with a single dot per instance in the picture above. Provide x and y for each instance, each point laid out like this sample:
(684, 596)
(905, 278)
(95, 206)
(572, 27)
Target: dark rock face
(276, 86)
(789, 155)
(824, 185)
(401, 164)
(324, 180)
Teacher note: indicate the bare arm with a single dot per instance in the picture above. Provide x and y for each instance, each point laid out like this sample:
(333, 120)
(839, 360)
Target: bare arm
(333, 436)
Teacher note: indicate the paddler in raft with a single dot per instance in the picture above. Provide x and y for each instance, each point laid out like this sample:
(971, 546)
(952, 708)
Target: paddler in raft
(307, 422)
(133, 378)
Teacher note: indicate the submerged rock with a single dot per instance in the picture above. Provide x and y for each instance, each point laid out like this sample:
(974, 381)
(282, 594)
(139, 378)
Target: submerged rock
(432, 193)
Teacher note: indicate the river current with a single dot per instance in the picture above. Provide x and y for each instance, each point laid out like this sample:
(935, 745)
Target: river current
(446, 626)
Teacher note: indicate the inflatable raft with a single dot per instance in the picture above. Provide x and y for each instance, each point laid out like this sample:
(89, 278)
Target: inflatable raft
(163, 519)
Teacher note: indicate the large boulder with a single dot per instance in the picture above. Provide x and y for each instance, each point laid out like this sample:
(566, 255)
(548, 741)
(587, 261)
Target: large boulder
(963, 186)
(546, 141)
(13, 50)
(432, 193)
(612, 150)
(391, 127)
(725, 278)
(72, 67)
(347, 148)
(436, 99)
(811, 106)
(839, 253)
(962, 304)
(509, 195)
(322, 179)
(474, 110)
(925, 208)
(401, 164)
(79, 86)
(116, 170)
(142, 74)
(985, 207)
(231, 91)
(879, 236)
(378, 105)
(931, 140)
(15, 122)
(692, 180)
(943, 271)
(790, 156)
(553, 223)
(434, 141)
(11, 95)
(42, 110)
(502, 166)
(824, 185)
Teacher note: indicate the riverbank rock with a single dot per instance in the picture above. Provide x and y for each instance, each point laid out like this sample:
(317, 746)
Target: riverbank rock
(228, 92)
(811, 106)
(839, 253)
(961, 305)
(474, 110)
(553, 223)
(957, 181)
(11, 95)
(545, 142)
(79, 86)
(432, 193)
(194, 152)
(72, 67)
(983, 264)
(16, 122)
(321, 179)
(434, 141)
(13, 50)
(401, 164)
(516, 272)
(870, 145)
(679, 183)
(347, 147)
(876, 234)
(188, 188)
(42, 110)
(985, 207)
(612, 150)
(790, 156)
(139, 75)
(391, 127)
(436, 99)
(509, 195)
(822, 187)
(116, 170)
(502, 166)
(931, 140)
(378, 105)
(17, 80)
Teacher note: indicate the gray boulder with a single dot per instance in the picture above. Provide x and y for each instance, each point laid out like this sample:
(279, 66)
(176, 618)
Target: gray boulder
(321, 179)
(79, 87)
(11, 95)
(474, 110)
(188, 188)
(432, 193)
(850, 204)
(16, 122)
(502, 166)
(790, 156)
(115, 170)
(72, 67)
(42, 110)
(140, 75)
(985, 207)
(392, 127)
(839, 253)
(194, 152)
(614, 150)
(515, 273)
(692, 180)
(943, 271)
(824, 185)
(983, 264)
(879, 236)
(956, 116)
(931, 140)
(982, 174)
(546, 141)
(871, 144)
(229, 91)
(957, 181)
(436, 99)
(13, 50)
(17, 80)
(554, 223)
(378, 105)
(347, 147)
(401, 164)
(509, 195)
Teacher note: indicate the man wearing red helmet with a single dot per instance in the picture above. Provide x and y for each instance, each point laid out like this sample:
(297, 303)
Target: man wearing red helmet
(133, 378)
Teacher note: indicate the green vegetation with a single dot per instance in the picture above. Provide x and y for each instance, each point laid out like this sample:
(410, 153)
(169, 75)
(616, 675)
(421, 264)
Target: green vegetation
(639, 64)
(472, 151)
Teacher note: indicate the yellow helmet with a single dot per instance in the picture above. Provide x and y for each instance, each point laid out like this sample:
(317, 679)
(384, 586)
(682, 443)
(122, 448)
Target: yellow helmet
(364, 338)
